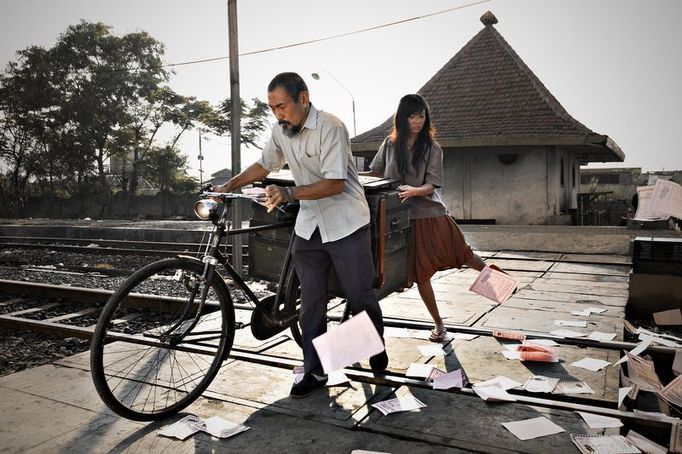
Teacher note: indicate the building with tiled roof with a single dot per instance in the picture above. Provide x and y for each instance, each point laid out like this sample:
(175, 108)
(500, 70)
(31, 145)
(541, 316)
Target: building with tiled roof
(511, 151)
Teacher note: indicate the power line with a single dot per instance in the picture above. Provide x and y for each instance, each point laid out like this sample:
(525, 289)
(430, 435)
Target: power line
(327, 38)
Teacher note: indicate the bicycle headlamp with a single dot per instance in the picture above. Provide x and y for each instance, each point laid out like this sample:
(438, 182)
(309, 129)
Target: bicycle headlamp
(207, 209)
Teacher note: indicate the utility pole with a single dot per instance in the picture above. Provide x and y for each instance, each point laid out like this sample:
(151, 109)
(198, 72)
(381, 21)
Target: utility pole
(235, 130)
(201, 161)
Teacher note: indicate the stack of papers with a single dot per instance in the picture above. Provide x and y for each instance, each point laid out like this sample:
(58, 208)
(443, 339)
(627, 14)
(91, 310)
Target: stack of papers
(529, 351)
(405, 403)
(215, 426)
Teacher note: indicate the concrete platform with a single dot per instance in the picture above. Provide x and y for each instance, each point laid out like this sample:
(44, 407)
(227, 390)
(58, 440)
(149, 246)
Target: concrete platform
(54, 408)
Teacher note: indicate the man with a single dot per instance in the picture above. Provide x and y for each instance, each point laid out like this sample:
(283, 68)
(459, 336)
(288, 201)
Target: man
(332, 226)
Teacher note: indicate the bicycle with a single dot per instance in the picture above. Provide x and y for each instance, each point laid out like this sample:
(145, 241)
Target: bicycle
(150, 366)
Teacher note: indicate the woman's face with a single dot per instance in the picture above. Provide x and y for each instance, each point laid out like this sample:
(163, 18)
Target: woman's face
(416, 122)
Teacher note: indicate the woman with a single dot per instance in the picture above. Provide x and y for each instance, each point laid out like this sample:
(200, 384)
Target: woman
(412, 156)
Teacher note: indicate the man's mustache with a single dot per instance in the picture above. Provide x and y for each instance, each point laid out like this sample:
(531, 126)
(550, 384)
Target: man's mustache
(284, 123)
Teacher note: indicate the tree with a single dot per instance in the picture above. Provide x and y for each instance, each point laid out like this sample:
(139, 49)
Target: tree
(254, 119)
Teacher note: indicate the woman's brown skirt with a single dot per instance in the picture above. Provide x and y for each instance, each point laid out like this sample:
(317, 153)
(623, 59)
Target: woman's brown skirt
(437, 244)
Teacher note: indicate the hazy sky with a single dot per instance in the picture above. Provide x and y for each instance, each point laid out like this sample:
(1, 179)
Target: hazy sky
(615, 65)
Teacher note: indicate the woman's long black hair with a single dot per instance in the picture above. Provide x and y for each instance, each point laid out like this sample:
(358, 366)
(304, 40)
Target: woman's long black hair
(410, 105)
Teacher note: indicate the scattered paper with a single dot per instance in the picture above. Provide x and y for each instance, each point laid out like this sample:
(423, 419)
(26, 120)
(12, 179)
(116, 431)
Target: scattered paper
(574, 323)
(572, 387)
(599, 336)
(350, 342)
(658, 339)
(222, 428)
(642, 373)
(463, 336)
(500, 381)
(622, 393)
(591, 364)
(511, 354)
(532, 428)
(454, 379)
(493, 393)
(336, 378)
(298, 374)
(391, 331)
(677, 363)
(673, 392)
(667, 318)
(540, 384)
(598, 421)
(567, 333)
(431, 350)
(587, 312)
(435, 373)
(634, 352)
(404, 403)
(659, 202)
(419, 370)
(494, 285)
(187, 426)
(644, 444)
(509, 335)
(603, 444)
(529, 351)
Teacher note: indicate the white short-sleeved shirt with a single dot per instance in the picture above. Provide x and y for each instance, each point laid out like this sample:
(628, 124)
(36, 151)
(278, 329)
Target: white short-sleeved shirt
(320, 151)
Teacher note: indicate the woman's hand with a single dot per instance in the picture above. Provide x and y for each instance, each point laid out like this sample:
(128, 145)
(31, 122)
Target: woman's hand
(406, 191)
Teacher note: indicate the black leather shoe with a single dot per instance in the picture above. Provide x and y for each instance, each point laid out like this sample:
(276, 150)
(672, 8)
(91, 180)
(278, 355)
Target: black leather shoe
(379, 361)
(307, 385)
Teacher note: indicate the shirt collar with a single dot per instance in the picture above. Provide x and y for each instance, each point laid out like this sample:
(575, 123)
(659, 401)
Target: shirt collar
(311, 120)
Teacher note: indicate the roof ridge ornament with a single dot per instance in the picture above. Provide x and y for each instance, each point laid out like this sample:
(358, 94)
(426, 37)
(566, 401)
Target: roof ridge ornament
(488, 19)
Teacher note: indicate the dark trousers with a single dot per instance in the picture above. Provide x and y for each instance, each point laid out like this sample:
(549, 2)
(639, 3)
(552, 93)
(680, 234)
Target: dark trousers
(351, 257)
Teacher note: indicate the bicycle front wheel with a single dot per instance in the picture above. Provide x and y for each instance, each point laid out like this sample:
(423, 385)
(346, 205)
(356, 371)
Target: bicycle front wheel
(161, 339)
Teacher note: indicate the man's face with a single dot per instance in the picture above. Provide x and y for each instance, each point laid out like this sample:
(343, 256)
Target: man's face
(290, 114)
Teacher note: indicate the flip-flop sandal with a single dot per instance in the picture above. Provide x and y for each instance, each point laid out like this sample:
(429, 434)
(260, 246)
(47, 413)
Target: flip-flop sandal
(438, 336)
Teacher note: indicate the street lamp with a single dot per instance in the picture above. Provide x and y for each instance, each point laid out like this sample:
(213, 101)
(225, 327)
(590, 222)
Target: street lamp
(316, 76)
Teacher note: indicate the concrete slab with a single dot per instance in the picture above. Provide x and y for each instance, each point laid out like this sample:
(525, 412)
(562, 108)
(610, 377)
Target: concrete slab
(572, 297)
(576, 287)
(471, 424)
(597, 258)
(609, 270)
(563, 309)
(521, 265)
(528, 255)
(481, 360)
(586, 277)
(540, 321)
(464, 311)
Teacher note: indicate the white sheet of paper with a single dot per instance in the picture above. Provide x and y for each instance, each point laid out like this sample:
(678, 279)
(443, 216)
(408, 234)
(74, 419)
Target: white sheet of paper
(454, 379)
(591, 364)
(540, 384)
(350, 342)
(599, 336)
(494, 285)
(509, 354)
(222, 428)
(635, 351)
(463, 336)
(431, 350)
(598, 421)
(677, 363)
(668, 318)
(661, 340)
(666, 200)
(622, 393)
(419, 370)
(391, 331)
(501, 381)
(544, 342)
(336, 378)
(644, 444)
(583, 313)
(528, 429)
(493, 393)
(404, 403)
(572, 387)
(566, 333)
(642, 373)
(183, 428)
(574, 323)
(673, 392)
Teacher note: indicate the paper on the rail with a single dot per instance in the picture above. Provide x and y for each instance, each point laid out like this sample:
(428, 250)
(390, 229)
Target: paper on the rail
(599, 336)
(598, 421)
(494, 285)
(493, 393)
(350, 342)
(419, 370)
(635, 351)
(454, 379)
(566, 333)
(528, 429)
(572, 387)
(596, 444)
(511, 335)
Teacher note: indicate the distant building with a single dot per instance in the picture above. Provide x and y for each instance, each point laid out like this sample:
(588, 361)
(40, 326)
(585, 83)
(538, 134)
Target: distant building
(219, 177)
(511, 152)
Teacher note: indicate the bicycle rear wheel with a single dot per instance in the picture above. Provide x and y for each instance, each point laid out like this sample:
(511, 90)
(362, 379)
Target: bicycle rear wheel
(156, 347)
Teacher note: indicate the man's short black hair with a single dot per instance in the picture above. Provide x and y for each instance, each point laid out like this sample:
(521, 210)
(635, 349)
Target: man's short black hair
(292, 83)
